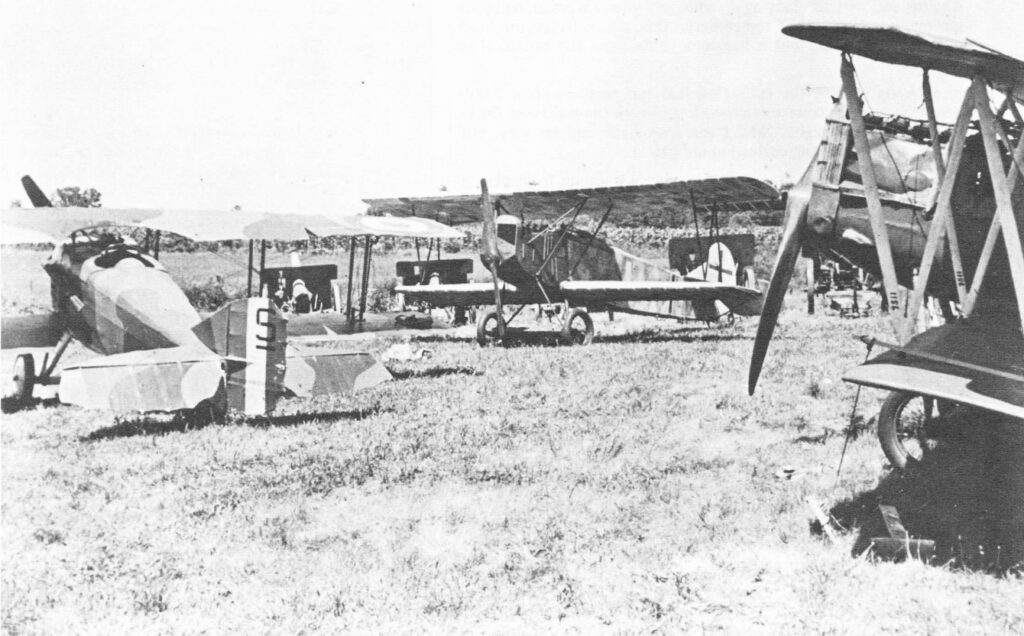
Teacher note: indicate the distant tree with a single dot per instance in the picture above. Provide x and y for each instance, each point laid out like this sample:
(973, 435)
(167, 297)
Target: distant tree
(15, 203)
(76, 197)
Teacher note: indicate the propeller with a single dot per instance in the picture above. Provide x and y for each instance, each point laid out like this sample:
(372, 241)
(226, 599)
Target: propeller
(35, 195)
(489, 253)
(785, 262)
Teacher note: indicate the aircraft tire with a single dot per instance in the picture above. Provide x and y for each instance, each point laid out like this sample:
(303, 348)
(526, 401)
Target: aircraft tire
(901, 421)
(575, 336)
(24, 379)
(487, 335)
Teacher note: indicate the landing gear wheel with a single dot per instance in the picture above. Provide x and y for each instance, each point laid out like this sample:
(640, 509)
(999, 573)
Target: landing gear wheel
(24, 379)
(902, 424)
(487, 328)
(579, 327)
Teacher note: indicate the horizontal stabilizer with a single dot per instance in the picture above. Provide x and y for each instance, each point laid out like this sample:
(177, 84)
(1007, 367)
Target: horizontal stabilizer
(36, 330)
(169, 379)
(325, 371)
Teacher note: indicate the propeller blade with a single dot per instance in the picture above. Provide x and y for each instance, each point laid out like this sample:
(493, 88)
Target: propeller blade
(35, 195)
(489, 253)
(785, 262)
(489, 234)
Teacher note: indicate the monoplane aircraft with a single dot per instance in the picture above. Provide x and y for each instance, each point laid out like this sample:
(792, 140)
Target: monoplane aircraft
(933, 208)
(569, 271)
(157, 353)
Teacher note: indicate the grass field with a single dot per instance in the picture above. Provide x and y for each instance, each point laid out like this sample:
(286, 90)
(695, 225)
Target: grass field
(630, 486)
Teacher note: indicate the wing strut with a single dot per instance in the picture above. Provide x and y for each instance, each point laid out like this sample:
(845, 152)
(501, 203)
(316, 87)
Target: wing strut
(1003, 189)
(942, 222)
(874, 203)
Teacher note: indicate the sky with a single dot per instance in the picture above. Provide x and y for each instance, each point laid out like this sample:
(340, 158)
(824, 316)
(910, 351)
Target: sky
(300, 106)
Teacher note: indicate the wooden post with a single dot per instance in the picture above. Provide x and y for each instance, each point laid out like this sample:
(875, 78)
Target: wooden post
(942, 222)
(1003, 193)
(871, 196)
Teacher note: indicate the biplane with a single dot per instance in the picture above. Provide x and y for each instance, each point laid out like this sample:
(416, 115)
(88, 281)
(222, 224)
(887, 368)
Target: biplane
(569, 272)
(937, 209)
(156, 352)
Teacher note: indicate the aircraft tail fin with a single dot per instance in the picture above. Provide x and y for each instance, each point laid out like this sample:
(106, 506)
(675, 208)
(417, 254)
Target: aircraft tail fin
(250, 335)
(35, 194)
(261, 367)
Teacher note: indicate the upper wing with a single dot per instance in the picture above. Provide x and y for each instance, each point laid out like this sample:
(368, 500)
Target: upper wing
(646, 201)
(407, 227)
(53, 224)
(466, 294)
(971, 362)
(740, 300)
(37, 330)
(895, 46)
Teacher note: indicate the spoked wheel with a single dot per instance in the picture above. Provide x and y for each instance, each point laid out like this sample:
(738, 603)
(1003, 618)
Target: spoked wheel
(903, 426)
(24, 379)
(579, 327)
(487, 333)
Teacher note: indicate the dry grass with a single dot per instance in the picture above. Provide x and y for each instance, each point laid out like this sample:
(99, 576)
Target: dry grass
(629, 486)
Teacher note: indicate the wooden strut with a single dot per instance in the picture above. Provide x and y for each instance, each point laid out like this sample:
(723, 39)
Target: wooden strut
(248, 288)
(952, 239)
(1003, 191)
(943, 219)
(349, 309)
(871, 195)
(365, 278)
(993, 230)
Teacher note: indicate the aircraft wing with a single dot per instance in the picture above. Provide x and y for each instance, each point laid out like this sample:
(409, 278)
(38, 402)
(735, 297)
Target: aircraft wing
(51, 225)
(740, 300)
(650, 202)
(894, 46)
(405, 227)
(466, 294)
(168, 379)
(36, 330)
(975, 363)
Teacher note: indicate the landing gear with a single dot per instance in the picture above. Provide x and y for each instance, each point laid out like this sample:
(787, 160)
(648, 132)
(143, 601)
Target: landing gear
(907, 425)
(24, 379)
(578, 328)
(487, 328)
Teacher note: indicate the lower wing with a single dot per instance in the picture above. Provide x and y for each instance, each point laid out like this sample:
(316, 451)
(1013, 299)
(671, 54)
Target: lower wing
(466, 294)
(740, 300)
(980, 365)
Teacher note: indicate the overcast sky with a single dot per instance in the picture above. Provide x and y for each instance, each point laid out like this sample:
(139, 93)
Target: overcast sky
(288, 106)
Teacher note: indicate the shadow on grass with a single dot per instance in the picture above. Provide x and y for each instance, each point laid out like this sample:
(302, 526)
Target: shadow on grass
(542, 338)
(162, 423)
(967, 495)
(433, 372)
(682, 335)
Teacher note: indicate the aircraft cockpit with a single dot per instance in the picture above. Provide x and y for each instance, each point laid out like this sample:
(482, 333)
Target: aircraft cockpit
(105, 248)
